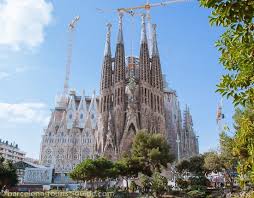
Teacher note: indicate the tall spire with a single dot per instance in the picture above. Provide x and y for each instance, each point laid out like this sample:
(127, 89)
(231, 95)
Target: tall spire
(187, 117)
(119, 69)
(155, 51)
(107, 50)
(106, 78)
(157, 78)
(120, 28)
(144, 60)
(143, 30)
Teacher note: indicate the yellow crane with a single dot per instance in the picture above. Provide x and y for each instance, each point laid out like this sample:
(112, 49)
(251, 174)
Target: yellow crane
(147, 7)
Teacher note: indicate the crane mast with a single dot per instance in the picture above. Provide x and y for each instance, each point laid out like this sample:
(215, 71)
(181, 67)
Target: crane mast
(71, 29)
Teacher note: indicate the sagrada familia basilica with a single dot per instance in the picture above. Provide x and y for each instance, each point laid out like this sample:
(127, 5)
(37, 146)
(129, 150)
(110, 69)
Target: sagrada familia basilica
(133, 96)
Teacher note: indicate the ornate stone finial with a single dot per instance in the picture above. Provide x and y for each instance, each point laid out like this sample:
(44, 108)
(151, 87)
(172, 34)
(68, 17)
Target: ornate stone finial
(143, 29)
(120, 28)
(155, 50)
(107, 50)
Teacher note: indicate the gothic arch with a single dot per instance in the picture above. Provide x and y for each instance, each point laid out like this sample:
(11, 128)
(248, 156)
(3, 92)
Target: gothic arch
(133, 128)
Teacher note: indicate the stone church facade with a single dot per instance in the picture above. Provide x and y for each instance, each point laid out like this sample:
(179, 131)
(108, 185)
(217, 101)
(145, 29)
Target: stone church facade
(69, 137)
(179, 132)
(133, 95)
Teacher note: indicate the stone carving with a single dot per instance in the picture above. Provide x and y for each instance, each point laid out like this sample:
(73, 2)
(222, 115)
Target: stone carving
(109, 136)
(131, 90)
(132, 123)
(65, 147)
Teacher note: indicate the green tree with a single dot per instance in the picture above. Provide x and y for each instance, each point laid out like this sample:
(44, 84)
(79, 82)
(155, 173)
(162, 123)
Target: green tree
(152, 151)
(197, 165)
(226, 155)
(127, 167)
(194, 165)
(227, 159)
(182, 183)
(85, 171)
(236, 46)
(221, 162)
(243, 144)
(237, 151)
(8, 175)
(149, 153)
(94, 170)
(145, 183)
(213, 162)
(183, 167)
(193, 173)
(237, 56)
(104, 168)
(159, 184)
(133, 186)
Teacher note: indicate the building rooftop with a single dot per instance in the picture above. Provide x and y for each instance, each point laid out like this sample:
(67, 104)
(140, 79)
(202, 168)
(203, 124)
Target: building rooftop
(9, 144)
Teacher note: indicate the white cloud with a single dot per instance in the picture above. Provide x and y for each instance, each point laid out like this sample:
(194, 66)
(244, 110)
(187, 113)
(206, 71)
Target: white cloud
(4, 75)
(22, 22)
(24, 113)
(23, 68)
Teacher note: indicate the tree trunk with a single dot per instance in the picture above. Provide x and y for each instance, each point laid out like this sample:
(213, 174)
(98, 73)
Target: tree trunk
(92, 184)
(231, 181)
(127, 185)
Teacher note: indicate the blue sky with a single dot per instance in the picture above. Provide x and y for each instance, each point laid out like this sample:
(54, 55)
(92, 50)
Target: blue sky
(33, 47)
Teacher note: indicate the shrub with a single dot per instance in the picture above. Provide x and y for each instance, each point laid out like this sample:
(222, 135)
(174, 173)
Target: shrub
(145, 183)
(198, 187)
(196, 194)
(244, 195)
(199, 181)
(181, 183)
(133, 186)
(159, 184)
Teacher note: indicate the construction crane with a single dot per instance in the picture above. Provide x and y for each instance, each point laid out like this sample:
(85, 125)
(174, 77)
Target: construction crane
(71, 29)
(147, 7)
(220, 116)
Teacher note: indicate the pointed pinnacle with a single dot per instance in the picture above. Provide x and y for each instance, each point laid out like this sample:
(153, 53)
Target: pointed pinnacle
(120, 28)
(143, 30)
(155, 50)
(107, 50)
